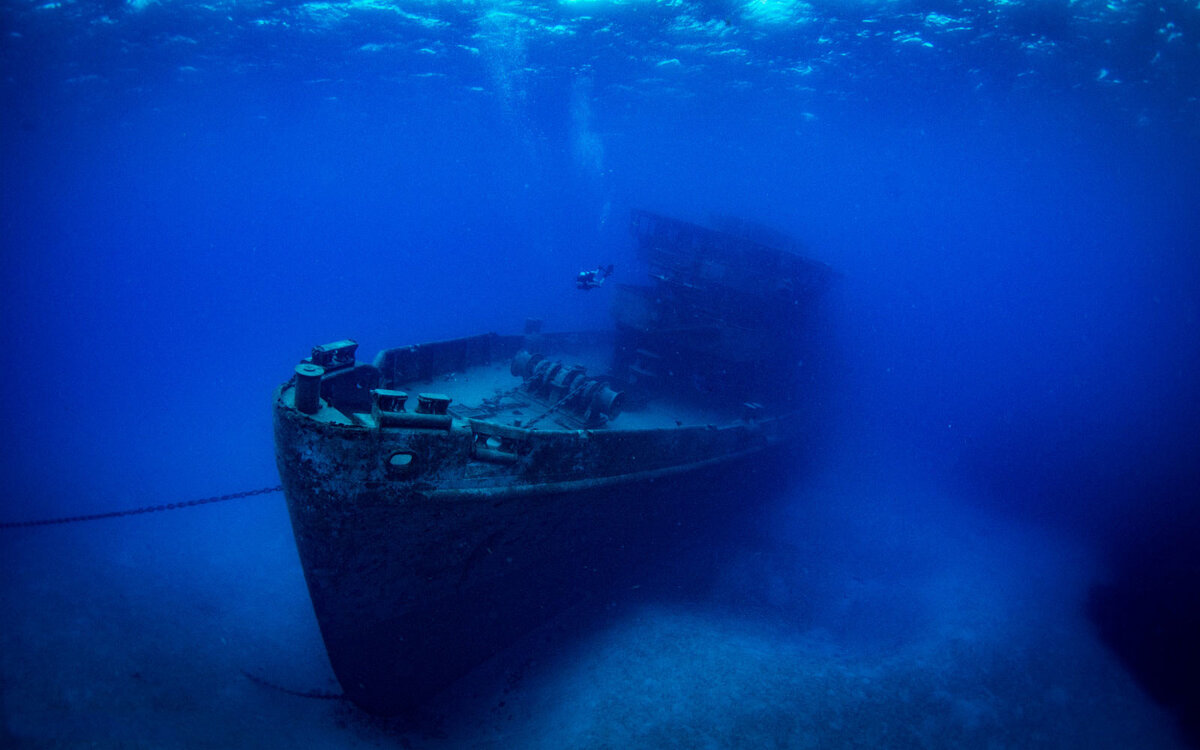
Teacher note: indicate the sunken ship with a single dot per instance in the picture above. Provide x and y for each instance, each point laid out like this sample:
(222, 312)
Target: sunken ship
(450, 497)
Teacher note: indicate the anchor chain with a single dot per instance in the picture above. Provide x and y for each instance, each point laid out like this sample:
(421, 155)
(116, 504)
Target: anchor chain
(571, 393)
(144, 509)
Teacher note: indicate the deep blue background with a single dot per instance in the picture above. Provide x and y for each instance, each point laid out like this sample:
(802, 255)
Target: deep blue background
(192, 197)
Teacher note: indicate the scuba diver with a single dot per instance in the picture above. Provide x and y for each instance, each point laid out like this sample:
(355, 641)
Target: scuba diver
(591, 279)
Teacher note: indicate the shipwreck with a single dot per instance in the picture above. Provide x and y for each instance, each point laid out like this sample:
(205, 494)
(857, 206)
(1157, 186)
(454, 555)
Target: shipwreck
(449, 497)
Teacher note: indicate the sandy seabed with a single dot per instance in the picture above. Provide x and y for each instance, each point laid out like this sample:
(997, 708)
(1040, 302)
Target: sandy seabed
(854, 617)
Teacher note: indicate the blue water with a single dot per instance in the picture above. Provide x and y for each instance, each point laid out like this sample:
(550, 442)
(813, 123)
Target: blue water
(993, 544)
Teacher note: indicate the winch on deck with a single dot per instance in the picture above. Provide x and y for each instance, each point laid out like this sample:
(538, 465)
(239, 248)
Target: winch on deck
(568, 386)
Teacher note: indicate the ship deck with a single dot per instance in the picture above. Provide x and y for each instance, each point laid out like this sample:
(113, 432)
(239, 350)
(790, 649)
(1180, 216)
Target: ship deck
(490, 392)
(476, 376)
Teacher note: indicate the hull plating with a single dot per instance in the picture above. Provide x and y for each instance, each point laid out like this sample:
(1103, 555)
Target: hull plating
(413, 587)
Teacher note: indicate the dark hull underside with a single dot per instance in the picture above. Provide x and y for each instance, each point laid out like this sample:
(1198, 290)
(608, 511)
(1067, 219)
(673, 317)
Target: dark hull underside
(414, 589)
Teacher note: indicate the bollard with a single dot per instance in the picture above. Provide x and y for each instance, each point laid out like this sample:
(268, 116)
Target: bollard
(308, 388)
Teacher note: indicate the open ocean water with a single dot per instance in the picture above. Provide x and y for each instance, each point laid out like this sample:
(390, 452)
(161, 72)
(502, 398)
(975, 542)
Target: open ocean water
(992, 544)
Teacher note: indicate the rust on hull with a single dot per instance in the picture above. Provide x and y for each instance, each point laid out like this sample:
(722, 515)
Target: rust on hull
(436, 528)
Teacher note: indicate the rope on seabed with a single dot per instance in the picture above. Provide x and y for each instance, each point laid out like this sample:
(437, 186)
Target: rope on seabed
(317, 694)
(144, 509)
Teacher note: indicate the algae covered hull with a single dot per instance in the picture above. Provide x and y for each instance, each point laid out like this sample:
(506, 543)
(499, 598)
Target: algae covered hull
(451, 496)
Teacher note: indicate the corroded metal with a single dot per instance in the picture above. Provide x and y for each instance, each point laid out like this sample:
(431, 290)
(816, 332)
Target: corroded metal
(308, 387)
(334, 356)
(433, 538)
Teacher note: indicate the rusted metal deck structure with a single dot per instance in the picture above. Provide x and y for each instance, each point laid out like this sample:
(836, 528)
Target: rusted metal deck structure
(450, 496)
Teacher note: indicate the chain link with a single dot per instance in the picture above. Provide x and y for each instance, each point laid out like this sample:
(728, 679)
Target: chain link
(145, 509)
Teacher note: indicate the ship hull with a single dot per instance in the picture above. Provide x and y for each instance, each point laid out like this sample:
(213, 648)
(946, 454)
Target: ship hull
(451, 496)
(413, 587)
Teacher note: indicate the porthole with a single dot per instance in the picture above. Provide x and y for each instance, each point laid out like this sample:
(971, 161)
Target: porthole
(401, 463)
